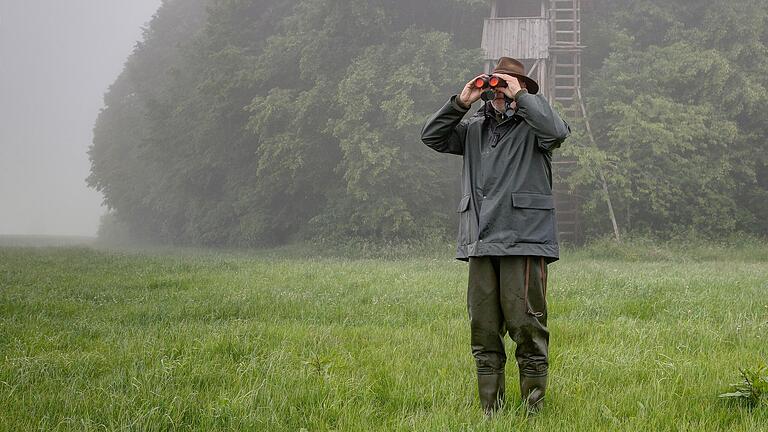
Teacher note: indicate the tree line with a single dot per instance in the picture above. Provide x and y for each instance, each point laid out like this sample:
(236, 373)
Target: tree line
(259, 122)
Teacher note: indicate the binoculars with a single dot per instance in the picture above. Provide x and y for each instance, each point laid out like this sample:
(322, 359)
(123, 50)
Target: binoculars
(490, 82)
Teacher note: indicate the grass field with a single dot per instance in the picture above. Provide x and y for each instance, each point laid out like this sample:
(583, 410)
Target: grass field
(643, 338)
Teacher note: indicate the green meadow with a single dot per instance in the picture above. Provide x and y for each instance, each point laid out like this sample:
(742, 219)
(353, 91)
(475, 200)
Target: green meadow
(643, 338)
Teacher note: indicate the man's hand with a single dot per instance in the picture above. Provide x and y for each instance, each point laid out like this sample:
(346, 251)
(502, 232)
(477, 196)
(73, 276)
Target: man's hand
(513, 85)
(470, 93)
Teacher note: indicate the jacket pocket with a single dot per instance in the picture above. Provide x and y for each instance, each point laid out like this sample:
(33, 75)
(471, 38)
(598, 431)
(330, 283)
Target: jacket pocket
(533, 217)
(464, 220)
(533, 201)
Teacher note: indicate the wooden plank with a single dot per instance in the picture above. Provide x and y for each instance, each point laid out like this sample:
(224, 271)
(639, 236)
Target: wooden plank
(523, 38)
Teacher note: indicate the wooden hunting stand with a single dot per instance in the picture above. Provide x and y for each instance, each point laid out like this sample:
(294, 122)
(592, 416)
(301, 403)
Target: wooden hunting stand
(546, 36)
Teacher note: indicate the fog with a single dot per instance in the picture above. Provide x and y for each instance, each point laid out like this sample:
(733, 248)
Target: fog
(57, 58)
(257, 123)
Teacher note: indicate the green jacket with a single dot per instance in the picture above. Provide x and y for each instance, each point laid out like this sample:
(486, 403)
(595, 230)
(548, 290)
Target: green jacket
(506, 206)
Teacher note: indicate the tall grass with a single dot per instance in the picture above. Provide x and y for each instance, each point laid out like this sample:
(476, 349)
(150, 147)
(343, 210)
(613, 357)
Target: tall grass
(295, 339)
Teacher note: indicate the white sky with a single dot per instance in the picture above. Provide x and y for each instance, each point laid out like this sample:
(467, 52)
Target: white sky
(57, 58)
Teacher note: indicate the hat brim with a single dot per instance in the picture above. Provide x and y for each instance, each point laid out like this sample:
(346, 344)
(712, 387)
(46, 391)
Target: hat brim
(530, 85)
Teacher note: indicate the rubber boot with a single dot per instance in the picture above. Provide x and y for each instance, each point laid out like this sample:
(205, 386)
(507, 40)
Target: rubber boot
(532, 390)
(491, 390)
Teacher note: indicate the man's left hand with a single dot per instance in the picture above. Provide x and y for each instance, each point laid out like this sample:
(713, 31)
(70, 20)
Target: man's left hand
(513, 85)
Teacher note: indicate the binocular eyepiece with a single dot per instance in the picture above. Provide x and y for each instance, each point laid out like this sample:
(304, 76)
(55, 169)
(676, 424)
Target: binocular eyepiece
(490, 82)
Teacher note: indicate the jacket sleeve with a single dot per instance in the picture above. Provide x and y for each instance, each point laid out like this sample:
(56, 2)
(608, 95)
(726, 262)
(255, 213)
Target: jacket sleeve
(547, 124)
(445, 131)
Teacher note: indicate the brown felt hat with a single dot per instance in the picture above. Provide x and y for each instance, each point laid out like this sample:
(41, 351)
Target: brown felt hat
(510, 66)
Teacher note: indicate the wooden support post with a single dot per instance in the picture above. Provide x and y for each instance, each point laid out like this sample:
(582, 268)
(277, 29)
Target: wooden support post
(600, 171)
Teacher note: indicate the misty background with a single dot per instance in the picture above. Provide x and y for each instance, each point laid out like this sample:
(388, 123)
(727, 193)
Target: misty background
(263, 122)
(57, 58)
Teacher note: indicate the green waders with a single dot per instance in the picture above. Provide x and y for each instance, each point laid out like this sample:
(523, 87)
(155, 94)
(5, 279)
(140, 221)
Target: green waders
(508, 294)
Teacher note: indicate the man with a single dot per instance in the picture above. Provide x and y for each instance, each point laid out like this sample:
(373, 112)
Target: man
(507, 227)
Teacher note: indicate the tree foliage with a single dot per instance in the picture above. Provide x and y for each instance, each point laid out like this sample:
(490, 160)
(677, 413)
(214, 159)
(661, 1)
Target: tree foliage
(249, 122)
(674, 98)
(252, 122)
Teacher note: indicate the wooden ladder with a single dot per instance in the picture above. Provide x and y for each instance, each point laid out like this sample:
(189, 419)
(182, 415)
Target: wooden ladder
(565, 53)
(565, 79)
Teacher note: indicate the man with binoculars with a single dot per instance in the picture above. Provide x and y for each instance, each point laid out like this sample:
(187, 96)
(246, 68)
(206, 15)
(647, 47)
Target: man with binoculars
(507, 226)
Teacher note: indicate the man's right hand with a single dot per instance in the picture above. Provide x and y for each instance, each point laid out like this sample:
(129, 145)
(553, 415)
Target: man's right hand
(470, 93)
